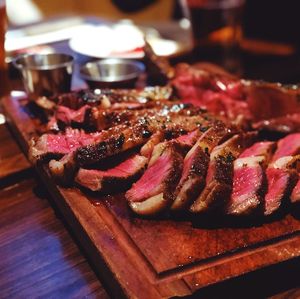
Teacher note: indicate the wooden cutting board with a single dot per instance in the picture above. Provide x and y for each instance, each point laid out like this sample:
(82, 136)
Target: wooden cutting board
(146, 258)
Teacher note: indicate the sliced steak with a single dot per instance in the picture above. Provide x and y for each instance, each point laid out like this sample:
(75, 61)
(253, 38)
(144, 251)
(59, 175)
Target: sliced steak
(152, 193)
(148, 147)
(249, 180)
(195, 166)
(287, 146)
(281, 181)
(183, 143)
(281, 177)
(269, 100)
(56, 145)
(135, 136)
(102, 119)
(289, 123)
(220, 173)
(69, 117)
(114, 179)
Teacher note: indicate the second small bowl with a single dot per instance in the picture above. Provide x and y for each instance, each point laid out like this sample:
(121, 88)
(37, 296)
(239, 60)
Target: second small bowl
(111, 73)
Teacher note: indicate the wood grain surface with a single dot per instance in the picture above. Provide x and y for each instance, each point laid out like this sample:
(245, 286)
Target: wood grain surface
(38, 256)
(12, 159)
(167, 257)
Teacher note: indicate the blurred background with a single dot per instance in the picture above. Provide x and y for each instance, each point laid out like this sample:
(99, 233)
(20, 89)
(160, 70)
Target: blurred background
(265, 19)
(271, 37)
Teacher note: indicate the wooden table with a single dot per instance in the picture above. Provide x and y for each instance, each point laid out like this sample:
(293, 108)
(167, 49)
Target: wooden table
(40, 257)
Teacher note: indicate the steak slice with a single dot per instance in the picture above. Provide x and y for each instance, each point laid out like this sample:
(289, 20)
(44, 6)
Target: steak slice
(56, 145)
(136, 135)
(284, 124)
(195, 166)
(114, 179)
(281, 179)
(102, 119)
(287, 146)
(70, 117)
(148, 147)
(220, 173)
(249, 180)
(152, 193)
(183, 143)
(270, 100)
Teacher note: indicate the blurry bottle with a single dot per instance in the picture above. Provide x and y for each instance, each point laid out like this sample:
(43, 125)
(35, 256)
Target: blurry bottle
(216, 30)
(4, 83)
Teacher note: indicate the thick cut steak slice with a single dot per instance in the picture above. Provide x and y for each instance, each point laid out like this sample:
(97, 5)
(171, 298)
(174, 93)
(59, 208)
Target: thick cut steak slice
(220, 173)
(287, 146)
(114, 179)
(281, 179)
(136, 135)
(102, 119)
(148, 147)
(249, 181)
(57, 145)
(68, 116)
(184, 143)
(195, 166)
(152, 193)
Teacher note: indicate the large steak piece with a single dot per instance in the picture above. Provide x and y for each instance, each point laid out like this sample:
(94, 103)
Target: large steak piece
(219, 176)
(249, 180)
(153, 192)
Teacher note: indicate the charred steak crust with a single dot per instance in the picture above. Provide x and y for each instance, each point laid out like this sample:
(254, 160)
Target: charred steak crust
(196, 163)
(137, 135)
(193, 184)
(219, 177)
(173, 177)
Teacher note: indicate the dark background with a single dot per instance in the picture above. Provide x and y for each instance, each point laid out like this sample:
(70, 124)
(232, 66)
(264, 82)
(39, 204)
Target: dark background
(274, 20)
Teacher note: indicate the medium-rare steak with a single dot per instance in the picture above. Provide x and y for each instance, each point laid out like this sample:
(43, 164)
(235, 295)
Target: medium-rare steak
(281, 181)
(184, 143)
(56, 145)
(287, 146)
(104, 98)
(102, 119)
(220, 173)
(249, 181)
(147, 148)
(136, 135)
(113, 179)
(284, 124)
(152, 193)
(70, 117)
(270, 100)
(249, 102)
(281, 177)
(195, 166)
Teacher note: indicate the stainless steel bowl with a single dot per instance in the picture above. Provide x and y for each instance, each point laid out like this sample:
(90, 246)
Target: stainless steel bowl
(45, 74)
(111, 73)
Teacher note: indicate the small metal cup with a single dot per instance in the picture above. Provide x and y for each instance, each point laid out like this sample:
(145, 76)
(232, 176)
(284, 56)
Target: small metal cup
(111, 73)
(45, 74)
